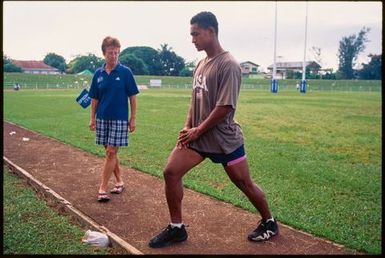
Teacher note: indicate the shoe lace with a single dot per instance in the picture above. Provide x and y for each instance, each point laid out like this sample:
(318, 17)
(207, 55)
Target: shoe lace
(167, 228)
(164, 232)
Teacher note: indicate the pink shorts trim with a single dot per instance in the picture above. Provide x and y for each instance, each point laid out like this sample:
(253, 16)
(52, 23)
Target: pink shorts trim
(235, 161)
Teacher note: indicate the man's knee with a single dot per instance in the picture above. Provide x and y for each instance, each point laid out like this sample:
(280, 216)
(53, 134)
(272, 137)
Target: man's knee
(241, 183)
(179, 163)
(250, 188)
(246, 185)
(170, 174)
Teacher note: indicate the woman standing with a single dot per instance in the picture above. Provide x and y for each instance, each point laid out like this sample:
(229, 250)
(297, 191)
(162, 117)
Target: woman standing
(112, 85)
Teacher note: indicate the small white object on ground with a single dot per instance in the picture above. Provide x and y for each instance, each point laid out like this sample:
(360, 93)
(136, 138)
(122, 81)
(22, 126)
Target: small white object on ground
(25, 139)
(12, 133)
(95, 238)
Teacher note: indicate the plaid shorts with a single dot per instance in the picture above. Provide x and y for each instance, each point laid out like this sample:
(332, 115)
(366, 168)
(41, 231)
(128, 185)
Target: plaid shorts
(112, 132)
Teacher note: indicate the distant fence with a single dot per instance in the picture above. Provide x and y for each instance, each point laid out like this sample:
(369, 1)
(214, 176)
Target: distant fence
(316, 86)
(265, 86)
(40, 85)
(78, 82)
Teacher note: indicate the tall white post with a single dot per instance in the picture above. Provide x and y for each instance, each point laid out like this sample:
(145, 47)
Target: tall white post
(303, 82)
(304, 50)
(275, 44)
(274, 82)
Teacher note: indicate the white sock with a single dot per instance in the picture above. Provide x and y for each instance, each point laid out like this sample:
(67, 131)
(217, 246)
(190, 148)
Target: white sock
(178, 225)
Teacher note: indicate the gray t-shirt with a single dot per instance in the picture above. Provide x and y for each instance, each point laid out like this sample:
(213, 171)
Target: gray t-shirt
(216, 82)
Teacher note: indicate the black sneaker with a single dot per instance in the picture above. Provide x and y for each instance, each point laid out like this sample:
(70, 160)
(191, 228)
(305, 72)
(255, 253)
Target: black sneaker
(264, 231)
(168, 236)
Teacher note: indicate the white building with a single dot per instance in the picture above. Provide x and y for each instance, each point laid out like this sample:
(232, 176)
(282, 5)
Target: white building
(249, 68)
(284, 67)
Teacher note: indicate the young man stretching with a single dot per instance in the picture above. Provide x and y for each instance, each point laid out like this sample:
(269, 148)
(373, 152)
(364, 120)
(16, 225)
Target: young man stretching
(211, 132)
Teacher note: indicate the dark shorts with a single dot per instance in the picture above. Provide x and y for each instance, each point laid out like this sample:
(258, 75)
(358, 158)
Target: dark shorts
(112, 132)
(226, 159)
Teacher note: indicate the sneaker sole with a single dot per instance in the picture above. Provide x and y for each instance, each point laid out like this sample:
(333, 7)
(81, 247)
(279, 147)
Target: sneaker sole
(261, 240)
(167, 243)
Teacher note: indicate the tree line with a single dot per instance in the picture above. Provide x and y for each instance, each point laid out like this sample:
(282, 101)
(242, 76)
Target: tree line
(142, 60)
(165, 62)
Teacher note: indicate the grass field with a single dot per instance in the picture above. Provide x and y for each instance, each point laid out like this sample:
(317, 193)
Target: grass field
(31, 227)
(317, 155)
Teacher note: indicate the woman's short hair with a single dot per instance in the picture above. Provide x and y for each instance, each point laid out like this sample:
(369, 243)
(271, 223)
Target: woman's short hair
(108, 42)
(205, 20)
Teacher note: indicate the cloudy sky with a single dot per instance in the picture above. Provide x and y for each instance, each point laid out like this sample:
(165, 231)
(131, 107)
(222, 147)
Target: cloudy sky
(31, 29)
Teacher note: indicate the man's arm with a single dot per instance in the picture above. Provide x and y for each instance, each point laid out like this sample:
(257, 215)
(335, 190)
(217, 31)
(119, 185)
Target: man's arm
(187, 136)
(133, 113)
(94, 104)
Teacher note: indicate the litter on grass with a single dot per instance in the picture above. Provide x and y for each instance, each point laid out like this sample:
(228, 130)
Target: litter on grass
(95, 238)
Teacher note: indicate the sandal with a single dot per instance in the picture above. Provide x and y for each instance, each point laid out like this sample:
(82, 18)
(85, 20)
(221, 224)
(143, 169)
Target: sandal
(117, 189)
(103, 197)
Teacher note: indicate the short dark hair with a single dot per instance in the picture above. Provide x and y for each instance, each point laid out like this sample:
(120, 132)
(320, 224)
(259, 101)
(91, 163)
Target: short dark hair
(205, 20)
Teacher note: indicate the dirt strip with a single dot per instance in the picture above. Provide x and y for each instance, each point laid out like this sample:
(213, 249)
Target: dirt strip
(141, 211)
(63, 206)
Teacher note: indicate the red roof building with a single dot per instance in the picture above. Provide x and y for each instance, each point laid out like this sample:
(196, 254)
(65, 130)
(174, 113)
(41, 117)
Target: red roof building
(35, 67)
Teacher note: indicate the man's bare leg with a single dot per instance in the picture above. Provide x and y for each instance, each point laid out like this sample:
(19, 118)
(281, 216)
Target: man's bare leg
(240, 176)
(179, 163)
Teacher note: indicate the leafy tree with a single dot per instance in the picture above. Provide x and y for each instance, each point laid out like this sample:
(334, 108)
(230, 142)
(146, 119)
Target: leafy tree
(81, 63)
(171, 63)
(10, 67)
(329, 76)
(148, 55)
(137, 65)
(372, 70)
(188, 69)
(186, 72)
(56, 61)
(348, 52)
(163, 61)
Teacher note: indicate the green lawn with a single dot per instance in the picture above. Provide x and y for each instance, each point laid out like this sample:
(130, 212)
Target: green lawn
(317, 155)
(30, 227)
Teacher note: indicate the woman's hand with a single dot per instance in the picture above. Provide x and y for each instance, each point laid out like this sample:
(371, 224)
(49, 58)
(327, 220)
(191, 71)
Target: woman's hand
(92, 125)
(132, 124)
